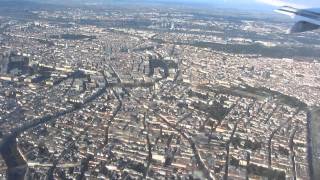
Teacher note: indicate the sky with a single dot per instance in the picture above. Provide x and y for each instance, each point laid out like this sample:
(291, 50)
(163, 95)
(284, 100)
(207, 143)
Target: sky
(260, 3)
(252, 4)
(294, 3)
(238, 4)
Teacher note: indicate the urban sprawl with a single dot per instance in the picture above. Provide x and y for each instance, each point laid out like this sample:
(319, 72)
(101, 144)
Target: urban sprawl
(156, 93)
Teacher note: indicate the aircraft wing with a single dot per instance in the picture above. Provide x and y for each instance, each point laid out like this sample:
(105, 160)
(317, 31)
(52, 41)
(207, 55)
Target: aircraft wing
(306, 19)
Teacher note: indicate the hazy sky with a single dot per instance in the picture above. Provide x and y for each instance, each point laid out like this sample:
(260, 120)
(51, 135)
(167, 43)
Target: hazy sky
(296, 3)
(237, 4)
(255, 4)
(261, 3)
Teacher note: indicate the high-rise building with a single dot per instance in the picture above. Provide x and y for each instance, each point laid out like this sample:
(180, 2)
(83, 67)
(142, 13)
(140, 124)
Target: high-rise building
(12, 63)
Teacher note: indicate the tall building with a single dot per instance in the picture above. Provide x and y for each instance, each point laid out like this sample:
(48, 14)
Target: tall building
(12, 63)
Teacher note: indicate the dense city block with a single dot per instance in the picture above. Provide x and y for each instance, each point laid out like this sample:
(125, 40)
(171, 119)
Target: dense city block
(155, 93)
